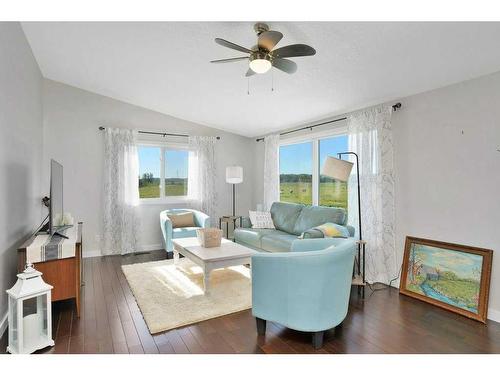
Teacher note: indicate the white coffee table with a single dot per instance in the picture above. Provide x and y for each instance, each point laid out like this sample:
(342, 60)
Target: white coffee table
(226, 255)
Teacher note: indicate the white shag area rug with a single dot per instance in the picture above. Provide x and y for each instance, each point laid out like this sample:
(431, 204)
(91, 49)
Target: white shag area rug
(172, 296)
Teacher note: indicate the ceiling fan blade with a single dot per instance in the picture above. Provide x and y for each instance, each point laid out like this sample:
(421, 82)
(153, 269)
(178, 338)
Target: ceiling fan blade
(249, 73)
(227, 44)
(268, 39)
(229, 60)
(287, 66)
(294, 50)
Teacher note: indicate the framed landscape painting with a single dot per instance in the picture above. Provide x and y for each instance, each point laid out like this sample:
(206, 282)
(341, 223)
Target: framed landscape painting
(454, 277)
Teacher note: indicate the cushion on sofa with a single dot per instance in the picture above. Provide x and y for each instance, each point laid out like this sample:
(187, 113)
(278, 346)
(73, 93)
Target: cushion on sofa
(285, 215)
(277, 243)
(312, 216)
(252, 236)
(326, 230)
(312, 233)
(184, 232)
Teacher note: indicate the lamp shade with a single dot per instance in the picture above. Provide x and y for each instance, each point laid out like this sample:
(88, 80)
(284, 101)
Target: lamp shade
(337, 168)
(234, 175)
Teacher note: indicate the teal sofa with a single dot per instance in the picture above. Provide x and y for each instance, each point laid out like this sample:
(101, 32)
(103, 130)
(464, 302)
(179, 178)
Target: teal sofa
(290, 221)
(306, 289)
(201, 220)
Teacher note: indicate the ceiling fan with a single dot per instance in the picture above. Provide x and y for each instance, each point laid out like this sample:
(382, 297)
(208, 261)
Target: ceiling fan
(263, 56)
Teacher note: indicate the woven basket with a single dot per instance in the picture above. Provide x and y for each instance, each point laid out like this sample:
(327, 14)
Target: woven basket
(209, 237)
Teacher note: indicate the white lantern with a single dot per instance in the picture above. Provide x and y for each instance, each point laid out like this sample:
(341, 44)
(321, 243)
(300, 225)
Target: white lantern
(30, 315)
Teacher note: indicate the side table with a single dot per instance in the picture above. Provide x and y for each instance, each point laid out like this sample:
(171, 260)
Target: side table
(229, 219)
(65, 274)
(359, 279)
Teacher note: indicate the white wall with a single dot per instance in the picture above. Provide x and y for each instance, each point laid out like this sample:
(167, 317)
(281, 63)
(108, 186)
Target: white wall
(20, 150)
(448, 169)
(71, 120)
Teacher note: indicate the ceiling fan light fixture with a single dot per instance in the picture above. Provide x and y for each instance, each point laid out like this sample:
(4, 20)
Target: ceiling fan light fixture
(260, 66)
(263, 56)
(260, 63)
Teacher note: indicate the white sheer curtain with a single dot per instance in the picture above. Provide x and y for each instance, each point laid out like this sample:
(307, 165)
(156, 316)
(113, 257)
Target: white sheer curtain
(202, 175)
(370, 136)
(271, 170)
(121, 192)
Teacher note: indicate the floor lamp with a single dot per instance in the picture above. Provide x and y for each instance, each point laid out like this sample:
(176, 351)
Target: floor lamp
(340, 170)
(234, 175)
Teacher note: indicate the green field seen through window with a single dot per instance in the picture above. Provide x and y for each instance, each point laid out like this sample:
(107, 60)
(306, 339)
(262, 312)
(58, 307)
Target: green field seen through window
(173, 187)
(331, 194)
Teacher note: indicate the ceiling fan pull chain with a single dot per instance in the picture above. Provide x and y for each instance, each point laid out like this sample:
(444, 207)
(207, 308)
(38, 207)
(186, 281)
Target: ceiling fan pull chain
(248, 86)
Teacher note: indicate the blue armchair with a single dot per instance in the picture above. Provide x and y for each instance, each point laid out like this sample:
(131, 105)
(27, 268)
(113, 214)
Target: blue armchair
(201, 220)
(306, 289)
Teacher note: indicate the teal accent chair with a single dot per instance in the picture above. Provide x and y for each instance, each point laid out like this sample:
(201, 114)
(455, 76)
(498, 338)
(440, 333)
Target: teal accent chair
(201, 220)
(306, 289)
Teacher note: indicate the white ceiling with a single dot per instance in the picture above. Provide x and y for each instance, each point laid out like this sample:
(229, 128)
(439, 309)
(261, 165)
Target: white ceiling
(165, 66)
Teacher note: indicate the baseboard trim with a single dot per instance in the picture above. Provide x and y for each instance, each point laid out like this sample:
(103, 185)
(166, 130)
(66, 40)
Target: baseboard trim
(91, 253)
(494, 315)
(151, 247)
(4, 323)
(142, 248)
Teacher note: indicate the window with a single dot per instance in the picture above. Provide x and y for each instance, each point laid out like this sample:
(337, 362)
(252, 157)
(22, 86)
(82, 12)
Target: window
(296, 173)
(163, 172)
(332, 193)
(149, 171)
(300, 168)
(176, 172)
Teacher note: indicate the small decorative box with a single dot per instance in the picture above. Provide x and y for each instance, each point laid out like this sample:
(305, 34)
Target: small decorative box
(209, 237)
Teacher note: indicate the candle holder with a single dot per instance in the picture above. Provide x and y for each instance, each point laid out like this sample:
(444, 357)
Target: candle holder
(30, 313)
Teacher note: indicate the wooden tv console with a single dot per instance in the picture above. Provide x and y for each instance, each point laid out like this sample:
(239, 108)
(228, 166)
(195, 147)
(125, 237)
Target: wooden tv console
(65, 275)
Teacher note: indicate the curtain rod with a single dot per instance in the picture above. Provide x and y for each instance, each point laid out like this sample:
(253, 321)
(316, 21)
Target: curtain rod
(157, 133)
(395, 107)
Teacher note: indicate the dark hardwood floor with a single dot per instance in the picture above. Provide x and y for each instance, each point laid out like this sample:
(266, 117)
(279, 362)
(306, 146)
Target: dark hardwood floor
(385, 322)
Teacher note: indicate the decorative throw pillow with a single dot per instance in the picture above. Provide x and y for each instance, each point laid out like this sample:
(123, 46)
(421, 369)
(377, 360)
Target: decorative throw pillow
(261, 220)
(312, 233)
(326, 230)
(181, 220)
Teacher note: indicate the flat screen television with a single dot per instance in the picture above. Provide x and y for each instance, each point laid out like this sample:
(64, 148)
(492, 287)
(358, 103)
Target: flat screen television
(56, 208)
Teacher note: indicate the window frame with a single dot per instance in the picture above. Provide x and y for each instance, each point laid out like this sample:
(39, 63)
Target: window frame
(163, 199)
(315, 138)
